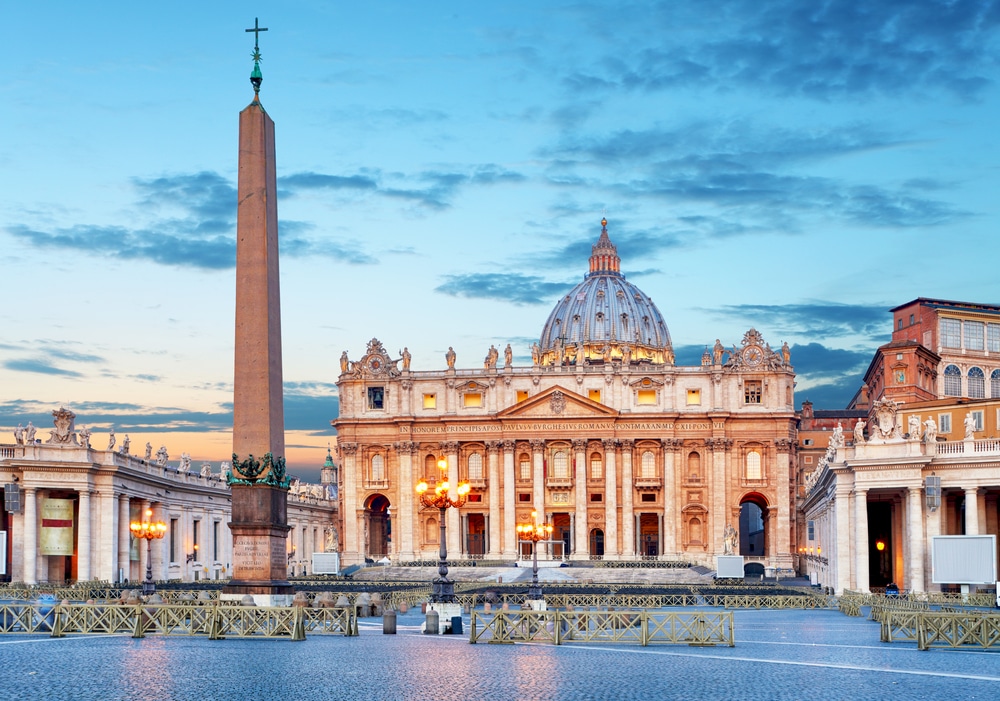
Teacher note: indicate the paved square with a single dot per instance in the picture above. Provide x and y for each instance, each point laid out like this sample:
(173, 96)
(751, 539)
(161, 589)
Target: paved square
(778, 655)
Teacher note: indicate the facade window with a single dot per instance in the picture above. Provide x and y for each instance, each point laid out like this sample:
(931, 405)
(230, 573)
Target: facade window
(430, 401)
(195, 540)
(944, 423)
(646, 397)
(694, 397)
(993, 338)
(647, 465)
(807, 441)
(951, 333)
(649, 498)
(376, 397)
(524, 497)
(215, 541)
(977, 417)
(378, 468)
(476, 466)
(899, 323)
(596, 467)
(522, 394)
(973, 331)
(752, 392)
(810, 530)
(911, 320)
(995, 384)
(431, 471)
(753, 465)
(560, 465)
(977, 383)
(472, 399)
(525, 466)
(952, 381)
(694, 466)
(597, 497)
(594, 395)
(808, 459)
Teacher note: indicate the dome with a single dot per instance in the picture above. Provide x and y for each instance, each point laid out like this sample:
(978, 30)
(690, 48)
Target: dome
(605, 317)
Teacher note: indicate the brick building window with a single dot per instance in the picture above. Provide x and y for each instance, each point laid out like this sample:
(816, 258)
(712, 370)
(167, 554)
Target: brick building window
(995, 384)
(951, 333)
(973, 331)
(952, 381)
(993, 338)
(977, 383)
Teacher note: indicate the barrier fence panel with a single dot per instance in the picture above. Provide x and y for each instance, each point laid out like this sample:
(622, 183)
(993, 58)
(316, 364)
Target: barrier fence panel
(637, 627)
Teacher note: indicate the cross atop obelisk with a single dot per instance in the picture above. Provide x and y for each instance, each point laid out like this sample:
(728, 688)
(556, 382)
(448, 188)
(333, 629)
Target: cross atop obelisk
(258, 480)
(256, 77)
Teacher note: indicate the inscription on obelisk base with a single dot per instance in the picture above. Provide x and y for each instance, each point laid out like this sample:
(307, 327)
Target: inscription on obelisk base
(258, 480)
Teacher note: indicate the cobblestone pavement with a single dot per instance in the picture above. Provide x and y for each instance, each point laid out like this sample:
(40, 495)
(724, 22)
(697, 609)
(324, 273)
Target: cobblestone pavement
(778, 655)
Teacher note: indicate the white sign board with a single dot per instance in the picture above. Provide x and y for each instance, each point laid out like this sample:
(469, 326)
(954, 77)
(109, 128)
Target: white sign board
(964, 559)
(729, 566)
(326, 563)
(3, 552)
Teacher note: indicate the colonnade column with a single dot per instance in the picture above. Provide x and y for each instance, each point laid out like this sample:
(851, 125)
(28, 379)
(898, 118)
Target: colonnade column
(402, 539)
(842, 542)
(30, 544)
(580, 541)
(83, 537)
(933, 530)
(610, 499)
(454, 522)
(629, 524)
(124, 542)
(538, 480)
(915, 541)
(972, 511)
(509, 516)
(494, 492)
(352, 534)
(861, 539)
(107, 537)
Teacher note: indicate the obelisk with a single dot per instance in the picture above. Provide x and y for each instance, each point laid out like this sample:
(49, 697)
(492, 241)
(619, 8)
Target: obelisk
(258, 481)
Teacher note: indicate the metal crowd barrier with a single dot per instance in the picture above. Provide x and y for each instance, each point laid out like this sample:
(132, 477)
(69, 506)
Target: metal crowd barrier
(636, 627)
(217, 622)
(942, 629)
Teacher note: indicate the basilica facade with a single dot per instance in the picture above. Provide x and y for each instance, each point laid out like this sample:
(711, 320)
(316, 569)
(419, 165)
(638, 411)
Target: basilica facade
(628, 455)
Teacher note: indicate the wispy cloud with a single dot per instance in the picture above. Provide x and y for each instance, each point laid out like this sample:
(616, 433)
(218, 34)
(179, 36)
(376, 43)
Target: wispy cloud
(507, 287)
(814, 319)
(39, 366)
(824, 51)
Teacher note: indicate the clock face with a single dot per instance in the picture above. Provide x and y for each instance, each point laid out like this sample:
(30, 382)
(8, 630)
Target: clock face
(375, 364)
(752, 355)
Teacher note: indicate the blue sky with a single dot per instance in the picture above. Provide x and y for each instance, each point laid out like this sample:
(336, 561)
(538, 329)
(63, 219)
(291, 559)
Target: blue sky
(798, 167)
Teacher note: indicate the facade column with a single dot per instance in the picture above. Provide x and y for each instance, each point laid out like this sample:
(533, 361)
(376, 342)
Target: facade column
(124, 541)
(841, 546)
(494, 493)
(610, 499)
(402, 537)
(781, 547)
(861, 539)
(659, 534)
(671, 497)
(538, 480)
(509, 492)
(353, 547)
(719, 515)
(915, 540)
(107, 538)
(83, 537)
(581, 544)
(629, 525)
(972, 511)
(454, 535)
(30, 544)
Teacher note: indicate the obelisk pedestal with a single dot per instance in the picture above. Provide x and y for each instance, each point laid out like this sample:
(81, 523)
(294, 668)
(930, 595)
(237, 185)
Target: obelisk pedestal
(259, 484)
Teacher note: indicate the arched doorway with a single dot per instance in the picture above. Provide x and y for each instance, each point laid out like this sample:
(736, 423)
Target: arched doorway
(596, 543)
(753, 526)
(378, 527)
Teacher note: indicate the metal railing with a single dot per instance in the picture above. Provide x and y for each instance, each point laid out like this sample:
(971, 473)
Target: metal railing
(972, 628)
(634, 627)
(215, 621)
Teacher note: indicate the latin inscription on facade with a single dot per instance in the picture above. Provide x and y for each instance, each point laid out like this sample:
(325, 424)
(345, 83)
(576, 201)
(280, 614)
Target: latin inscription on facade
(566, 427)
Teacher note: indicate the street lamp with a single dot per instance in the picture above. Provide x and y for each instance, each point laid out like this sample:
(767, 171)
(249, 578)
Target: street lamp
(534, 532)
(444, 588)
(148, 529)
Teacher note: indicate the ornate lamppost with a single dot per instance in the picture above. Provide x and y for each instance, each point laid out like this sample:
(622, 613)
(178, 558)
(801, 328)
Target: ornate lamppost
(534, 532)
(440, 499)
(148, 529)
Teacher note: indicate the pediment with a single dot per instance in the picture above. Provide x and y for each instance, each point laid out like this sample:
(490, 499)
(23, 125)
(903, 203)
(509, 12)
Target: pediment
(557, 402)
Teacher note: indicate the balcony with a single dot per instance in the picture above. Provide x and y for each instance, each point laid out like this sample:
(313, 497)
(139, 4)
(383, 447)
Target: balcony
(559, 482)
(368, 483)
(648, 483)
